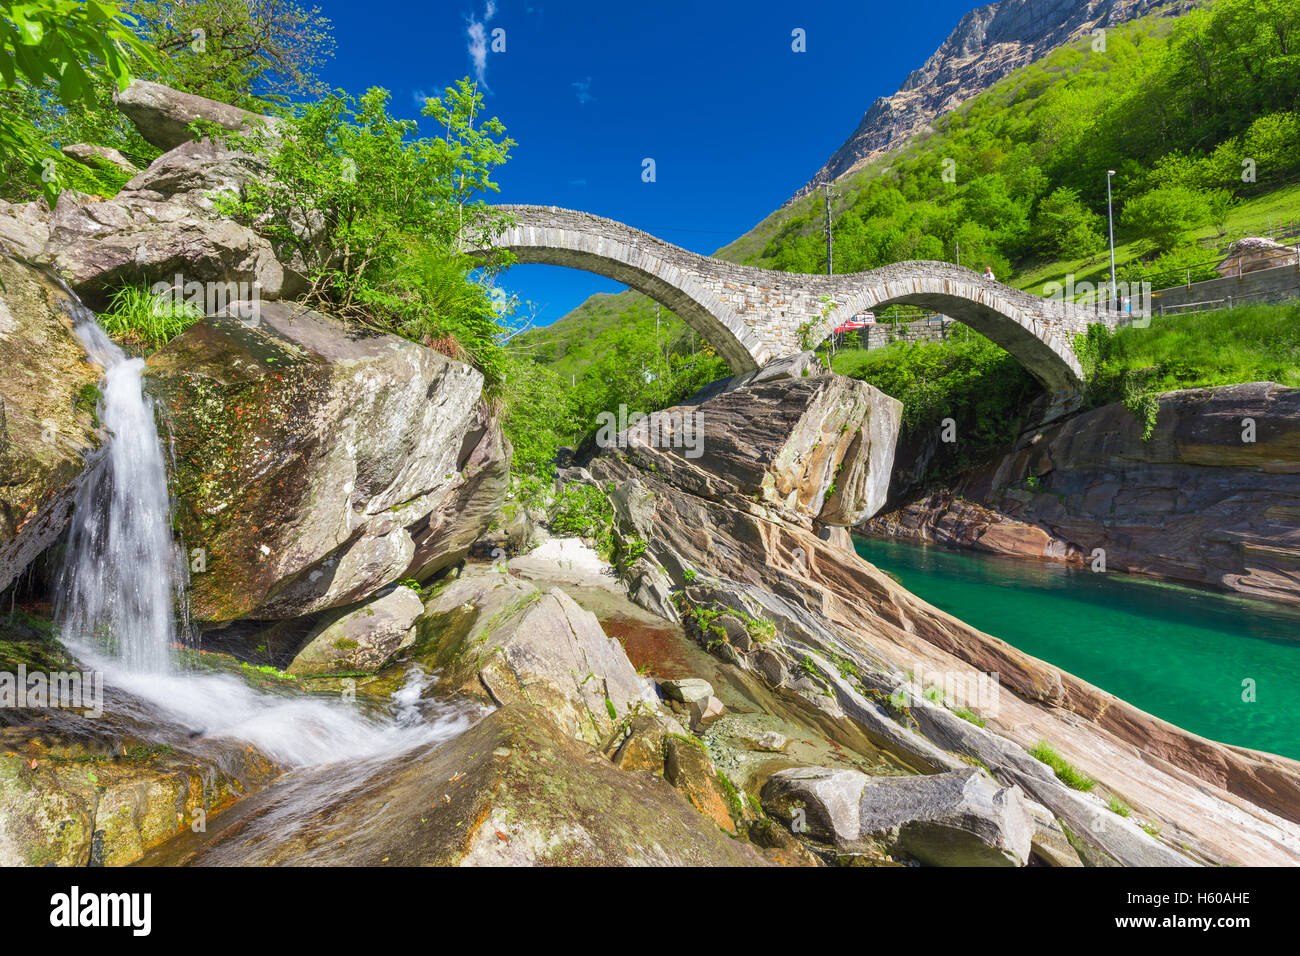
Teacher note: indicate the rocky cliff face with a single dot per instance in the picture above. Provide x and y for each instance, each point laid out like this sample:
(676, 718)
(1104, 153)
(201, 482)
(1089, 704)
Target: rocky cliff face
(987, 44)
(47, 405)
(1213, 498)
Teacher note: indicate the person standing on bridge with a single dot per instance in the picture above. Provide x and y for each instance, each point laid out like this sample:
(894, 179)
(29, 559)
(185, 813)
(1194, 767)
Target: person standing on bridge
(988, 274)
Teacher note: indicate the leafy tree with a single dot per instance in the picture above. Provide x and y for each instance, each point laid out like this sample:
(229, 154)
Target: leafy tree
(351, 190)
(1164, 216)
(74, 50)
(246, 52)
(1068, 228)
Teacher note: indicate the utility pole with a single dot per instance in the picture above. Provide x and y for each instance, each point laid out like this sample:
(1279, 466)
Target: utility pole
(958, 241)
(829, 241)
(1110, 214)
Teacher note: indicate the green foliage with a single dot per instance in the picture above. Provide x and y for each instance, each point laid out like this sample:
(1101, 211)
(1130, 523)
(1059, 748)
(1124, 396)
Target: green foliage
(584, 511)
(1134, 365)
(390, 213)
(1189, 263)
(1119, 806)
(245, 52)
(60, 53)
(1165, 215)
(965, 713)
(140, 319)
(967, 378)
(1066, 772)
(1068, 228)
(638, 359)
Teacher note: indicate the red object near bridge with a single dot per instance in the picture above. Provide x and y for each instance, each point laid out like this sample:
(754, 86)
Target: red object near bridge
(856, 324)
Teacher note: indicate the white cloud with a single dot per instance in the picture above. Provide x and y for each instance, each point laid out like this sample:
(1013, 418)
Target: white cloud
(583, 88)
(477, 48)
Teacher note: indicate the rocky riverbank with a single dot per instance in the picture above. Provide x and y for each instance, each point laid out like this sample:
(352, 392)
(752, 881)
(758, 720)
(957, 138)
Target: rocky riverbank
(1212, 498)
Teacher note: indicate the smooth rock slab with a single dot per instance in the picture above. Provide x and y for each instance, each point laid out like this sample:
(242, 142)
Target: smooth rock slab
(362, 639)
(515, 790)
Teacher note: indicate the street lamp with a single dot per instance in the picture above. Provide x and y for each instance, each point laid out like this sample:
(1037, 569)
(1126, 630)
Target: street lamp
(1110, 214)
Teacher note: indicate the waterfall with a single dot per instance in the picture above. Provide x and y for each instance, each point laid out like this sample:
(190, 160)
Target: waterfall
(120, 602)
(123, 576)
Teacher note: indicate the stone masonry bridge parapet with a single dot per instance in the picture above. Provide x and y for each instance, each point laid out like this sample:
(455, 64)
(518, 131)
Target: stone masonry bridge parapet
(752, 316)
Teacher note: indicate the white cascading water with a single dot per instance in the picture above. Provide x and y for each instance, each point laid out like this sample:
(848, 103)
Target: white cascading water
(121, 592)
(124, 575)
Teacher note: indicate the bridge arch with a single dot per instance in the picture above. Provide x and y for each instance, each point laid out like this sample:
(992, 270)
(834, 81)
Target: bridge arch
(660, 270)
(751, 316)
(1023, 324)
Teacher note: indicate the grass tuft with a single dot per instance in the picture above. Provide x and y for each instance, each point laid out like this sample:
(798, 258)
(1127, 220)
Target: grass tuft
(1066, 772)
(137, 317)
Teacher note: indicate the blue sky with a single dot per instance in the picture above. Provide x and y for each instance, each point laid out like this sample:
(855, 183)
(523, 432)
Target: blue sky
(734, 119)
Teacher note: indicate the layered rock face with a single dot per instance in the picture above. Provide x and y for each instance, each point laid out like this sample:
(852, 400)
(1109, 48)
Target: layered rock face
(47, 404)
(1213, 498)
(816, 447)
(315, 463)
(822, 624)
(987, 44)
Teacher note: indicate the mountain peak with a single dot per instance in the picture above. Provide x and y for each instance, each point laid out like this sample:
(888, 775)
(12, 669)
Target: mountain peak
(988, 43)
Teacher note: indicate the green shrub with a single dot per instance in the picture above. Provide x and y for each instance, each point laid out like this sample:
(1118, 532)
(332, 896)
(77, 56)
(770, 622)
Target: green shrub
(584, 511)
(1225, 347)
(965, 713)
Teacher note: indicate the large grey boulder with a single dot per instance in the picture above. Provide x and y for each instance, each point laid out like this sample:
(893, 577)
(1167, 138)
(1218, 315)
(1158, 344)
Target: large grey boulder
(821, 802)
(958, 818)
(364, 638)
(687, 690)
(163, 115)
(47, 402)
(316, 462)
(163, 225)
(500, 634)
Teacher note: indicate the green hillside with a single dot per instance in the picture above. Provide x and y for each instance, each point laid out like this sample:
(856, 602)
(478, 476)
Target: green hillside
(1198, 115)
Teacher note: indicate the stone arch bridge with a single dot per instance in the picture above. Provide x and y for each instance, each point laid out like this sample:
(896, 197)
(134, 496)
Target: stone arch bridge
(752, 316)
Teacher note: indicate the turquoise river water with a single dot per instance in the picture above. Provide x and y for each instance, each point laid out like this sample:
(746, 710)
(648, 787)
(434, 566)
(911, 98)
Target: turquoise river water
(1184, 654)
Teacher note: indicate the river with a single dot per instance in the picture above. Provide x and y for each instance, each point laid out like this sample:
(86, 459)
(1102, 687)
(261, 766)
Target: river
(1190, 656)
